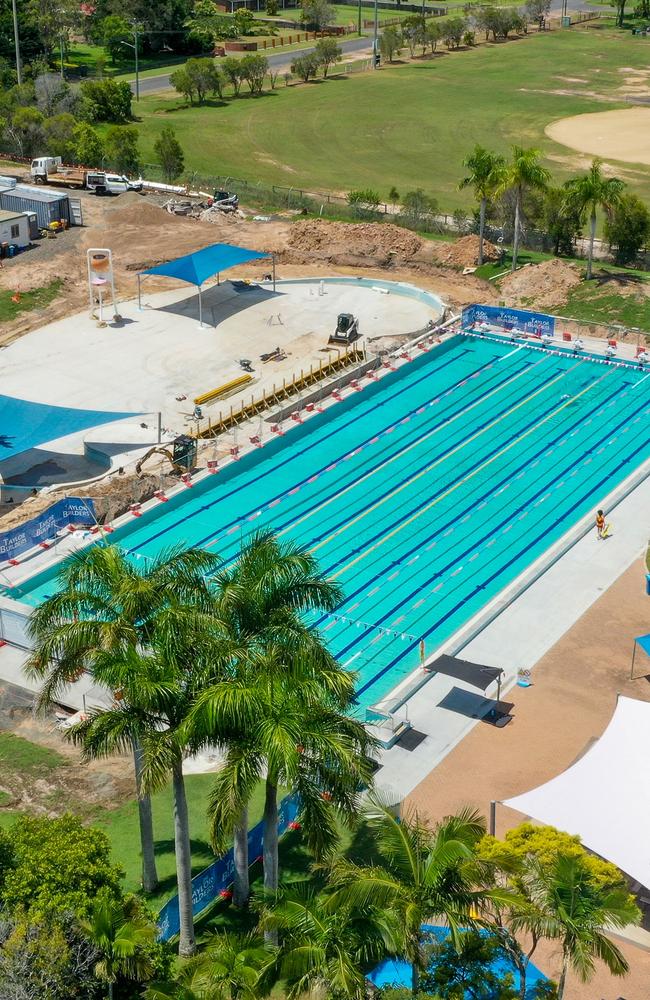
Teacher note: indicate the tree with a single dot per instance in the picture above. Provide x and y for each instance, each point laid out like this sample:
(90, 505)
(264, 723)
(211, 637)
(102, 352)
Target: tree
(432, 33)
(254, 68)
(59, 136)
(228, 968)
(561, 221)
(197, 76)
(470, 970)
(416, 205)
(106, 101)
(279, 712)
(55, 866)
(122, 149)
(620, 11)
(50, 92)
(120, 932)
(325, 948)
(183, 82)
(170, 154)
(114, 30)
(485, 169)
(413, 32)
(523, 172)
(45, 959)
(421, 874)
(306, 66)
(538, 11)
(244, 20)
(390, 42)
(271, 8)
(318, 14)
(26, 131)
(590, 192)
(627, 229)
(328, 52)
(231, 68)
(573, 909)
(88, 147)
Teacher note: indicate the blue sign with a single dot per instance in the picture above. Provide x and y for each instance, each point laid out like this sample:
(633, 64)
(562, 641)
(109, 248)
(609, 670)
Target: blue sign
(73, 510)
(539, 324)
(207, 885)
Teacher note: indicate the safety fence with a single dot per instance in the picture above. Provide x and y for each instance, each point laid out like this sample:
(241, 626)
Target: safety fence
(215, 881)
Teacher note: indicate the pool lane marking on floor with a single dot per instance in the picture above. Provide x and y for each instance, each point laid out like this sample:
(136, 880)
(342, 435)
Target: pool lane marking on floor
(488, 462)
(385, 669)
(400, 452)
(213, 537)
(493, 492)
(428, 468)
(318, 443)
(492, 536)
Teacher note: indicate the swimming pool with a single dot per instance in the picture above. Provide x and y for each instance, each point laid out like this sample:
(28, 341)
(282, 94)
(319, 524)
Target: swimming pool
(425, 494)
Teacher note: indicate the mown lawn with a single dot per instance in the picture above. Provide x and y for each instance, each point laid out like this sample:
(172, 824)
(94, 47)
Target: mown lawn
(26, 758)
(406, 125)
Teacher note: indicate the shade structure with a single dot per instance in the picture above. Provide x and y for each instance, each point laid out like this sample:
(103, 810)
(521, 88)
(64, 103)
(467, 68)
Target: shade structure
(476, 674)
(605, 796)
(25, 425)
(644, 642)
(197, 267)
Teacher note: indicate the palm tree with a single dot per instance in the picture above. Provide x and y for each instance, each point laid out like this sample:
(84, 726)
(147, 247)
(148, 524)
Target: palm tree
(263, 600)
(523, 173)
(326, 948)
(230, 967)
(120, 933)
(108, 603)
(589, 193)
(572, 907)
(424, 874)
(485, 169)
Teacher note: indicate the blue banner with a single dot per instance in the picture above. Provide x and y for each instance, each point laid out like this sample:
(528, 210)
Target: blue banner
(539, 324)
(73, 510)
(218, 878)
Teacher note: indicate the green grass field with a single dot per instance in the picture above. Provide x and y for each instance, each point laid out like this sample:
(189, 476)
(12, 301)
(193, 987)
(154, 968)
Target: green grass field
(407, 125)
(26, 758)
(38, 298)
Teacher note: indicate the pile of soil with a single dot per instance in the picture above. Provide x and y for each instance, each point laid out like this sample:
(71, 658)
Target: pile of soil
(541, 286)
(464, 252)
(345, 239)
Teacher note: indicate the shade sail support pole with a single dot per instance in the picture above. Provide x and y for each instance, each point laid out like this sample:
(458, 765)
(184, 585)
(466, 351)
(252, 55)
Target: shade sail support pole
(273, 261)
(139, 295)
(200, 308)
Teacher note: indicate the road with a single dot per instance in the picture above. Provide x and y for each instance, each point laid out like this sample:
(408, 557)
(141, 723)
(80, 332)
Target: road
(350, 46)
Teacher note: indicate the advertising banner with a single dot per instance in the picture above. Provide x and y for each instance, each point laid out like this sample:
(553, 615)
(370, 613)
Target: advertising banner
(510, 319)
(73, 510)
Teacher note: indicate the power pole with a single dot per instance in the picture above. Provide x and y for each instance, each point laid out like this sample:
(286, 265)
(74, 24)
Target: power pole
(19, 69)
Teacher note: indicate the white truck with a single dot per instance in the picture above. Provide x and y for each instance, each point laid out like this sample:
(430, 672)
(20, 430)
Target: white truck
(50, 170)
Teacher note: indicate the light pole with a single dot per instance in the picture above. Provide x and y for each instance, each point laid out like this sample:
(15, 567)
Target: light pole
(137, 69)
(375, 38)
(19, 70)
(359, 20)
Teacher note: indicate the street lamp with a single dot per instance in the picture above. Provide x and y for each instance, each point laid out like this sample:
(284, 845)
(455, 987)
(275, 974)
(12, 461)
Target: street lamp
(19, 70)
(375, 39)
(134, 46)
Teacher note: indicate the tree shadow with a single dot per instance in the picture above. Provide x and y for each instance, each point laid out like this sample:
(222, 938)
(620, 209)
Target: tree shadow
(603, 278)
(362, 849)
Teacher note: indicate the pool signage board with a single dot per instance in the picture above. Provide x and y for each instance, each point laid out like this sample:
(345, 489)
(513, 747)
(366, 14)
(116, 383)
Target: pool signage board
(72, 510)
(215, 879)
(510, 319)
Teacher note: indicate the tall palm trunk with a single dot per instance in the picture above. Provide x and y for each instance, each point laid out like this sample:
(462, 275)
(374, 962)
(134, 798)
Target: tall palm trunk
(515, 241)
(149, 873)
(481, 230)
(186, 942)
(270, 853)
(592, 237)
(242, 887)
(563, 975)
(415, 979)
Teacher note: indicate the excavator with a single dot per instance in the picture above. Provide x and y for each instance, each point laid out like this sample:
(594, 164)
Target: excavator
(178, 469)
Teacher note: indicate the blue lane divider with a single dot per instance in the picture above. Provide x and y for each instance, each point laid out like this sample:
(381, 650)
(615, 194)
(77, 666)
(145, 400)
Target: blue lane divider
(332, 461)
(521, 552)
(471, 506)
(316, 444)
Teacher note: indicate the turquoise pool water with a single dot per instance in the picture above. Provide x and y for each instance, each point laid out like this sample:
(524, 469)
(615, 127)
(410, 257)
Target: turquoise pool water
(423, 495)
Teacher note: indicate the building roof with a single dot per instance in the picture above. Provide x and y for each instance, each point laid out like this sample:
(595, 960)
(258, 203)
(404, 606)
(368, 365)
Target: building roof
(6, 216)
(34, 193)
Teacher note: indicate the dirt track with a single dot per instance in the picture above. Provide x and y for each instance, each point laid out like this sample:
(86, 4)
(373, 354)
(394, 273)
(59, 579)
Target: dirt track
(614, 135)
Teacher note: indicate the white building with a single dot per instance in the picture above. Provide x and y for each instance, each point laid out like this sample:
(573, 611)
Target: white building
(14, 228)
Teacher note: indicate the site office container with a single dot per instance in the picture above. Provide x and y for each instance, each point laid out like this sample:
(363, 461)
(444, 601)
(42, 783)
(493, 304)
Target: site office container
(48, 206)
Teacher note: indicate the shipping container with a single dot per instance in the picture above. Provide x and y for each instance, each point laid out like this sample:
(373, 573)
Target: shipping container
(7, 182)
(48, 206)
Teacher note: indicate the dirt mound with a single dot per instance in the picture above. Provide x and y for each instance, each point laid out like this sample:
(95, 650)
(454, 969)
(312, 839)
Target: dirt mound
(334, 239)
(464, 252)
(543, 286)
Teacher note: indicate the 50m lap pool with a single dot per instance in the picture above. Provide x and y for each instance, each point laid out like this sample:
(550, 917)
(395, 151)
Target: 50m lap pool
(425, 494)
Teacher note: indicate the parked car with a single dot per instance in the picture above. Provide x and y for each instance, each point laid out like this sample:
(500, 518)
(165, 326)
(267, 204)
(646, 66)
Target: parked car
(102, 183)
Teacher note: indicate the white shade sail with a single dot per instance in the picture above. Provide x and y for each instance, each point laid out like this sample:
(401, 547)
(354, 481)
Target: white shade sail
(605, 796)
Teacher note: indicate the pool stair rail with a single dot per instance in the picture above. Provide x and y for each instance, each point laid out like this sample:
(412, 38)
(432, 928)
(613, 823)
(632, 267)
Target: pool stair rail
(387, 727)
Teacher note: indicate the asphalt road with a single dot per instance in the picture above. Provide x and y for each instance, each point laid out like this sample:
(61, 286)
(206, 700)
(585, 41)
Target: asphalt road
(150, 84)
(350, 46)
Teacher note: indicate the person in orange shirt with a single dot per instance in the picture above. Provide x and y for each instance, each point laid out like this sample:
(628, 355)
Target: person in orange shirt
(600, 524)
